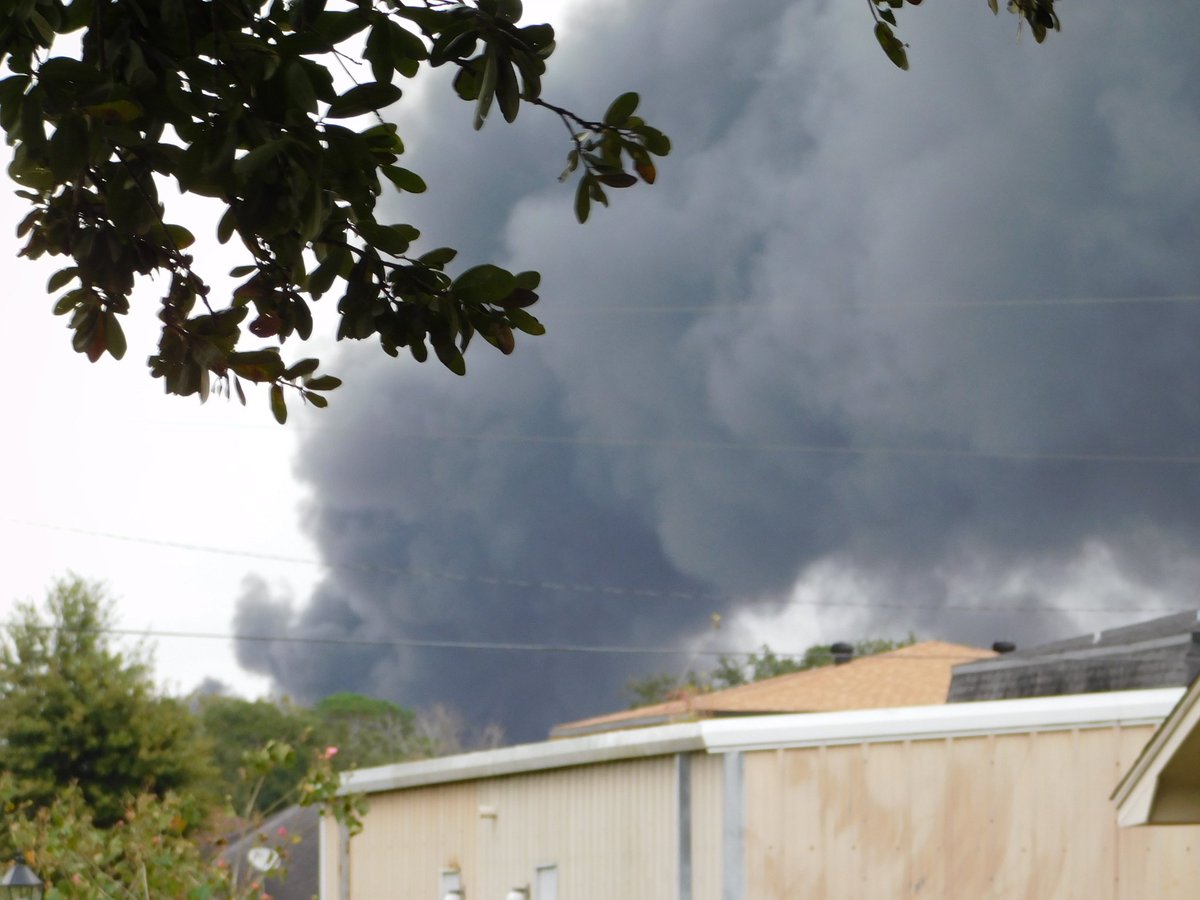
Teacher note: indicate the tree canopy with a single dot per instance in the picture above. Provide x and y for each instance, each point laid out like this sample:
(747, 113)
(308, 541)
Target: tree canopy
(733, 670)
(364, 731)
(250, 102)
(74, 709)
(240, 100)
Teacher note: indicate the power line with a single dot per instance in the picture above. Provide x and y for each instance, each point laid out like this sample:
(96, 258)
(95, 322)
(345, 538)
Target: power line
(581, 587)
(780, 447)
(897, 306)
(501, 646)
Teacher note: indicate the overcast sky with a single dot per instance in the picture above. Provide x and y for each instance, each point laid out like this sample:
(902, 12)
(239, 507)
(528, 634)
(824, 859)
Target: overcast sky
(881, 352)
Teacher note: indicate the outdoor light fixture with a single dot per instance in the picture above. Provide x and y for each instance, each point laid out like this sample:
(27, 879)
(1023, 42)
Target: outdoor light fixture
(20, 881)
(518, 893)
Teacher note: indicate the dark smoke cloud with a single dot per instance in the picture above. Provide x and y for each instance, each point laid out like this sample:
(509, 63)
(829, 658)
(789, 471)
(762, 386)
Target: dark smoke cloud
(825, 263)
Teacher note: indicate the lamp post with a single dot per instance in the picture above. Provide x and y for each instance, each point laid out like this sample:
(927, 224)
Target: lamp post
(21, 882)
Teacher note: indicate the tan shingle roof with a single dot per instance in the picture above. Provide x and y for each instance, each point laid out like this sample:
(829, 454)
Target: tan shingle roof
(918, 675)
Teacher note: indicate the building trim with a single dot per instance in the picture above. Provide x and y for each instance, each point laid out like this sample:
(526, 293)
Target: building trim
(733, 827)
(744, 733)
(1137, 794)
(683, 823)
(1148, 707)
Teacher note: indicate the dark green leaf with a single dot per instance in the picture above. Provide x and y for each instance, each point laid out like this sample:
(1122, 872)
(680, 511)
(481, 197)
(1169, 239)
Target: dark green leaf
(528, 281)
(68, 148)
(451, 358)
(617, 179)
(301, 369)
(439, 257)
(257, 365)
(526, 322)
(61, 278)
(378, 51)
(484, 284)
(583, 199)
(180, 236)
(404, 180)
(391, 239)
(654, 140)
(892, 45)
(66, 303)
(362, 99)
(508, 93)
(487, 89)
(323, 383)
(278, 406)
(115, 335)
(226, 226)
(621, 109)
(335, 27)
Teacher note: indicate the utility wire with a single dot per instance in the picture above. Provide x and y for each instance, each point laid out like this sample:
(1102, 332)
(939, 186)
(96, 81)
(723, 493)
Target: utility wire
(897, 306)
(503, 646)
(579, 587)
(780, 447)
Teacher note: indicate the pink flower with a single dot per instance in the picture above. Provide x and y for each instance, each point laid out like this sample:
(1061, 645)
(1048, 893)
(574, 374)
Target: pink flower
(282, 831)
(330, 752)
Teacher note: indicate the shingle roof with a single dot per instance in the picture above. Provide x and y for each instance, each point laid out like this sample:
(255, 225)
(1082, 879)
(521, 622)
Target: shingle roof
(1163, 652)
(917, 675)
(302, 881)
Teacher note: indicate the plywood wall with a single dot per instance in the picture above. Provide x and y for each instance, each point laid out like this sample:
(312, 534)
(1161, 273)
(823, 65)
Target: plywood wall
(1008, 816)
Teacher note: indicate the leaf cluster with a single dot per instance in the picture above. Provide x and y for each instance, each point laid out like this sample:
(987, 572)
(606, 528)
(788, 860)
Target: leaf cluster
(237, 100)
(1039, 14)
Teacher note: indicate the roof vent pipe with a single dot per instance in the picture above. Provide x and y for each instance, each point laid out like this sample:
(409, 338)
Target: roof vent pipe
(1004, 646)
(842, 653)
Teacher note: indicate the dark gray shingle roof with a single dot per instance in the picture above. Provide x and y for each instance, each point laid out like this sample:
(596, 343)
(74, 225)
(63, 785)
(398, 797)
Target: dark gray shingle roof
(302, 881)
(1163, 652)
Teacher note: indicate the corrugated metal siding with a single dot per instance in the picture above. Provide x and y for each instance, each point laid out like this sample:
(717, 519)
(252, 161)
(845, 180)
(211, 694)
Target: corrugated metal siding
(1013, 815)
(707, 811)
(610, 828)
(410, 836)
(1023, 815)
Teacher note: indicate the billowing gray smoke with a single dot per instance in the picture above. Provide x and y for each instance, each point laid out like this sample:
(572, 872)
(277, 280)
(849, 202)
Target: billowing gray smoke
(802, 348)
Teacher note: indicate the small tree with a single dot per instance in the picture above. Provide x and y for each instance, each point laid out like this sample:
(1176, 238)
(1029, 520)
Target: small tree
(76, 710)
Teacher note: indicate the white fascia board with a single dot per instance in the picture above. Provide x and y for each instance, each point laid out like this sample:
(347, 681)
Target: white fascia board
(1135, 794)
(762, 732)
(944, 720)
(597, 748)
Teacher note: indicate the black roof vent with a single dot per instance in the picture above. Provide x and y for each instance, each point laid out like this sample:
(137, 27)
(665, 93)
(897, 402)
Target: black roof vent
(842, 652)
(1004, 646)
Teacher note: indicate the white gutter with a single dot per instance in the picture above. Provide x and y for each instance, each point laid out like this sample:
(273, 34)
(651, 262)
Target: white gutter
(787, 730)
(596, 748)
(946, 720)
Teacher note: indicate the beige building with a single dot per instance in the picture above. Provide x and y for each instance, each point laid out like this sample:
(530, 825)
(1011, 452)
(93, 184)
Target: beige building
(1006, 798)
